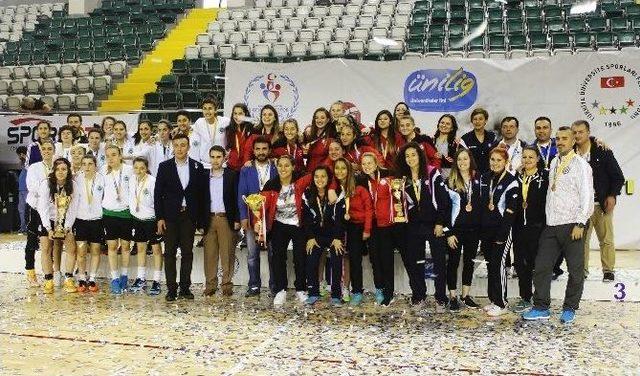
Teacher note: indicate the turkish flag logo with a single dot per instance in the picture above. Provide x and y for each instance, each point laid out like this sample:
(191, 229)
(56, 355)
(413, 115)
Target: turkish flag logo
(611, 82)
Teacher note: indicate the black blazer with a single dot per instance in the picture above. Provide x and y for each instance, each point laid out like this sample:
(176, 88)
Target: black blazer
(229, 196)
(608, 178)
(169, 192)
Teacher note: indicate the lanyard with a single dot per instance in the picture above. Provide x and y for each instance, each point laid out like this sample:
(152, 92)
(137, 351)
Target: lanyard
(373, 191)
(561, 166)
(139, 188)
(117, 185)
(526, 181)
(417, 188)
(295, 150)
(321, 209)
(89, 191)
(545, 155)
(492, 190)
(384, 148)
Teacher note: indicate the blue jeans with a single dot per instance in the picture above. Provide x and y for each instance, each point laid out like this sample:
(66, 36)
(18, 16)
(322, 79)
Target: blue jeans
(22, 205)
(253, 259)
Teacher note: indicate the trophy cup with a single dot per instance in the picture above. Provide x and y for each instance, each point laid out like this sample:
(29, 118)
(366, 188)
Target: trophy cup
(62, 202)
(397, 193)
(255, 203)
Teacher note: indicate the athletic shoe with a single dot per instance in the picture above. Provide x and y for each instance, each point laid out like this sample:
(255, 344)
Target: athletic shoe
(346, 297)
(336, 302)
(311, 300)
(171, 296)
(254, 291)
(124, 281)
(115, 286)
(469, 303)
(32, 279)
(536, 314)
(567, 316)
(441, 307)
(280, 298)
(608, 277)
(356, 299)
(57, 279)
(497, 311)
(155, 288)
(386, 301)
(93, 287)
(82, 285)
(454, 304)
(227, 291)
(48, 286)
(522, 306)
(70, 285)
(488, 307)
(186, 294)
(302, 296)
(379, 296)
(325, 289)
(139, 285)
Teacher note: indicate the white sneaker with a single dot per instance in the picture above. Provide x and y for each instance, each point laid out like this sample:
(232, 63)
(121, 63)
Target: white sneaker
(497, 311)
(280, 298)
(301, 295)
(488, 307)
(57, 279)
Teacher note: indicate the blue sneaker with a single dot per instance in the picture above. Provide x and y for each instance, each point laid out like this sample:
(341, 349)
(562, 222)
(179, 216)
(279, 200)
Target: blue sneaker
(568, 316)
(155, 288)
(139, 285)
(356, 299)
(336, 302)
(536, 314)
(124, 281)
(311, 300)
(379, 296)
(115, 286)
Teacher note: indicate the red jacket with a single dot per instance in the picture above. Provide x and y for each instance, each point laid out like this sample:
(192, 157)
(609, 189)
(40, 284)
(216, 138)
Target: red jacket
(388, 161)
(361, 208)
(380, 192)
(318, 152)
(429, 148)
(282, 148)
(354, 153)
(271, 191)
(237, 154)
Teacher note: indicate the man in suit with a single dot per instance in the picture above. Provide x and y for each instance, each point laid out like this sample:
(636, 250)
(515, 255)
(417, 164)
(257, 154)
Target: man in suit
(252, 180)
(180, 204)
(224, 221)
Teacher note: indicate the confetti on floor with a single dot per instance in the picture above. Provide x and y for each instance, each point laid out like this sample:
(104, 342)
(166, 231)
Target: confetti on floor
(98, 334)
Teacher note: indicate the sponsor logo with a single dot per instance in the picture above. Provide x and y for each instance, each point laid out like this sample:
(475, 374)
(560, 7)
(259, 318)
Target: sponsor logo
(278, 90)
(440, 90)
(609, 95)
(23, 130)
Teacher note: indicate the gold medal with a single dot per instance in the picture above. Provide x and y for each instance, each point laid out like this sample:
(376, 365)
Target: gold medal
(524, 205)
(491, 206)
(469, 207)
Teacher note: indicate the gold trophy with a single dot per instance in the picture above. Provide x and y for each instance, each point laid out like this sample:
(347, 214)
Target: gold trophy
(62, 202)
(397, 193)
(255, 203)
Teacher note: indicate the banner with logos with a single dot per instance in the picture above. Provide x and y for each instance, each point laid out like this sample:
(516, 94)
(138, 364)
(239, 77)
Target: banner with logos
(603, 88)
(17, 130)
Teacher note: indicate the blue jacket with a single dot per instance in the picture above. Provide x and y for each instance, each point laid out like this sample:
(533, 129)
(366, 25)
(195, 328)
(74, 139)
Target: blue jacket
(249, 183)
(22, 180)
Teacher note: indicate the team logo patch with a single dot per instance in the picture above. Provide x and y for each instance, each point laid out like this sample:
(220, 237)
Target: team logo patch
(278, 90)
(99, 188)
(609, 95)
(196, 143)
(146, 192)
(126, 178)
(440, 90)
(566, 170)
(130, 151)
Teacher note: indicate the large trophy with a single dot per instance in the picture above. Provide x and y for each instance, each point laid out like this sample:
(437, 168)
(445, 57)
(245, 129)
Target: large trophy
(61, 201)
(255, 203)
(397, 199)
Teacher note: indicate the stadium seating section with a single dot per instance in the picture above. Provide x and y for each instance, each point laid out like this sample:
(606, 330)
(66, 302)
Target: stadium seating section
(295, 30)
(70, 61)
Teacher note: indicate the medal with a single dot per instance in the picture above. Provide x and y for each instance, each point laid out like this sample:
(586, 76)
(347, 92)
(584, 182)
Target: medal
(524, 205)
(468, 207)
(491, 206)
(493, 190)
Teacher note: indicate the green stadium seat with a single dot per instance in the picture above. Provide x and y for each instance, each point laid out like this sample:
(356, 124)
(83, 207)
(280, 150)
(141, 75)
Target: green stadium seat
(204, 82)
(99, 43)
(70, 44)
(582, 40)
(560, 41)
(435, 44)
(476, 15)
(632, 10)
(455, 44)
(576, 25)
(84, 32)
(627, 39)
(84, 44)
(438, 17)
(517, 42)
(495, 14)
(555, 26)
(495, 27)
(476, 44)
(458, 16)
(417, 31)
(133, 55)
(98, 32)
(605, 40)
(167, 82)
(190, 99)
(170, 100)
(533, 13)
(436, 31)
(515, 26)
(538, 40)
(497, 43)
(415, 44)
(100, 55)
(421, 6)
(195, 66)
(145, 43)
(54, 57)
(456, 30)
(179, 66)
(69, 56)
(514, 14)
(213, 66)
(597, 24)
(619, 24)
(553, 12)
(84, 56)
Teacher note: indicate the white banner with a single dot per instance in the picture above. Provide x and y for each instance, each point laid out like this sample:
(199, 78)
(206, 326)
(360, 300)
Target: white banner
(21, 129)
(603, 88)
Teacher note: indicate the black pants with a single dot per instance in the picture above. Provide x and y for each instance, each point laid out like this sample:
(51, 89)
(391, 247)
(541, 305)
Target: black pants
(525, 249)
(179, 234)
(355, 245)
(33, 220)
(496, 256)
(372, 247)
(313, 262)
(468, 240)
(281, 235)
(386, 240)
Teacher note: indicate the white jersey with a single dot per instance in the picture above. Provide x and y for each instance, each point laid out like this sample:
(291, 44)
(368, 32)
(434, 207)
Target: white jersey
(36, 173)
(47, 207)
(116, 188)
(158, 154)
(141, 198)
(128, 151)
(90, 194)
(101, 157)
(143, 149)
(62, 152)
(210, 135)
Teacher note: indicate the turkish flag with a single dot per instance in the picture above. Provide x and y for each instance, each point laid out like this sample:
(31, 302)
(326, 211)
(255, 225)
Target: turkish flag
(611, 82)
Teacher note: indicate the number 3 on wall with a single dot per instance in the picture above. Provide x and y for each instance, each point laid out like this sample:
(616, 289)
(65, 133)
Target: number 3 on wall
(620, 292)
